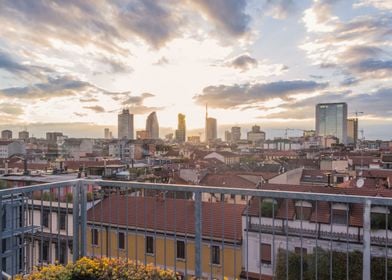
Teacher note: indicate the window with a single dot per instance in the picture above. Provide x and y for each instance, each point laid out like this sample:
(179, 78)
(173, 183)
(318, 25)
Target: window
(265, 253)
(339, 216)
(62, 221)
(94, 236)
(232, 196)
(215, 254)
(242, 197)
(45, 218)
(180, 250)
(149, 245)
(303, 210)
(61, 255)
(121, 240)
(44, 251)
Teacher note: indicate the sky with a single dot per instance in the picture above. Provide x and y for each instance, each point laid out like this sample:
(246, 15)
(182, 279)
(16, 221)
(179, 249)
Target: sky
(72, 65)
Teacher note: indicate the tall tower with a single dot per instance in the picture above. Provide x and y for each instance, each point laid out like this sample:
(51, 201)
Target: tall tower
(181, 129)
(125, 125)
(152, 126)
(331, 120)
(211, 129)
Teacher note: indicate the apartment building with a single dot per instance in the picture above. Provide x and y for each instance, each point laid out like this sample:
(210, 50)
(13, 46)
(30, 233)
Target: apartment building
(162, 231)
(271, 225)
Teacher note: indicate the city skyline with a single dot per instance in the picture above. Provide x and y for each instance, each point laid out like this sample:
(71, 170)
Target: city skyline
(254, 62)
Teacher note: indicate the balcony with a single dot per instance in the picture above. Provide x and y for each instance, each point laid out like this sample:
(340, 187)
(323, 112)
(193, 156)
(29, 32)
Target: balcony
(177, 227)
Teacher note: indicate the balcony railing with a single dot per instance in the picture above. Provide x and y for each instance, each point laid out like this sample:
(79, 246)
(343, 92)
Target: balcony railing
(178, 227)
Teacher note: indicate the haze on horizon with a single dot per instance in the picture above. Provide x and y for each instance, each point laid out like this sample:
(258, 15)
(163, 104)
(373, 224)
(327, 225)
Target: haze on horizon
(72, 65)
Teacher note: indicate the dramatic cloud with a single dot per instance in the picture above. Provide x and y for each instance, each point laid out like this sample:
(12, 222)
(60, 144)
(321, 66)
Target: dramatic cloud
(96, 108)
(54, 87)
(379, 4)
(243, 62)
(136, 100)
(228, 15)
(235, 96)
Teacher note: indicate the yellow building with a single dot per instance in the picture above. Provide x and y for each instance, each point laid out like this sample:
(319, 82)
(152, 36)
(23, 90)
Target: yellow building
(161, 231)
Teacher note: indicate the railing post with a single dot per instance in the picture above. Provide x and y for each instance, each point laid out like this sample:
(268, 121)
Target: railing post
(75, 220)
(366, 241)
(198, 234)
(83, 218)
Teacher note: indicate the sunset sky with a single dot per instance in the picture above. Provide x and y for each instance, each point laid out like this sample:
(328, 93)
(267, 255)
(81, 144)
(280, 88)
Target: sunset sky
(73, 65)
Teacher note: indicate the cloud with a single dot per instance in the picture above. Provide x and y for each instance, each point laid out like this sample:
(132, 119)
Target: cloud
(228, 15)
(235, 96)
(54, 87)
(10, 65)
(96, 108)
(136, 100)
(88, 100)
(280, 9)
(80, 114)
(378, 4)
(381, 106)
(243, 62)
(11, 109)
(349, 81)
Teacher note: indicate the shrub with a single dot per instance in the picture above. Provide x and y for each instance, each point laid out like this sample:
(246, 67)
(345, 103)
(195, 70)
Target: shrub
(100, 269)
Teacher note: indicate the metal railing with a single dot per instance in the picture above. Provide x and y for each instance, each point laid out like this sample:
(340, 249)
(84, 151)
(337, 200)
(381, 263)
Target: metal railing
(178, 227)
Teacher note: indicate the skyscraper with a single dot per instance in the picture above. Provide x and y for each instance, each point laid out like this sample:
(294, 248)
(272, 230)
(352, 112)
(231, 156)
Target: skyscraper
(352, 131)
(331, 120)
(211, 129)
(152, 126)
(181, 129)
(125, 125)
(107, 133)
(235, 133)
(23, 134)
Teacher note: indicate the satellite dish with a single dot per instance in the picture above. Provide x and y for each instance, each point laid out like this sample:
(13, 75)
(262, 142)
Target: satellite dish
(360, 182)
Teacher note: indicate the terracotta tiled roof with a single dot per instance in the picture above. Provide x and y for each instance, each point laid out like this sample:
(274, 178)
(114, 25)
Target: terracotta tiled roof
(75, 164)
(227, 180)
(170, 215)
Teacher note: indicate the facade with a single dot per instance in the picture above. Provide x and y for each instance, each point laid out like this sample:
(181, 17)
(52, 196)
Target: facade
(181, 129)
(6, 134)
(150, 236)
(303, 226)
(23, 135)
(225, 157)
(331, 120)
(152, 126)
(125, 125)
(352, 131)
(211, 129)
(235, 133)
(227, 136)
(52, 241)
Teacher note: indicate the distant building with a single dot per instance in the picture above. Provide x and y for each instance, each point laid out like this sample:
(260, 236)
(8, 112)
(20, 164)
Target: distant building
(309, 133)
(181, 129)
(125, 125)
(152, 126)
(194, 139)
(331, 120)
(6, 134)
(235, 133)
(256, 136)
(52, 136)
(227, 136)
(352, 131)
(142, 134)
(107, 133)
(24, 135)
(211, 129)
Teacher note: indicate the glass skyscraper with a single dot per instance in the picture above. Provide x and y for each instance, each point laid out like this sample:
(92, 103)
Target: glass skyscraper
(331, 120)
